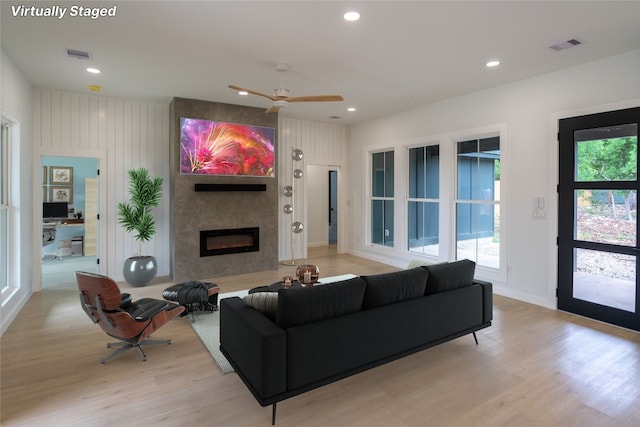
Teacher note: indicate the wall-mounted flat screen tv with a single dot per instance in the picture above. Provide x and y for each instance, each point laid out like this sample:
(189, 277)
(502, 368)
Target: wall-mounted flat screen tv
(219, 148)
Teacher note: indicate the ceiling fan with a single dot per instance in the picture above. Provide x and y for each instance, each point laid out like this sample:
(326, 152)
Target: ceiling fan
(281, 98)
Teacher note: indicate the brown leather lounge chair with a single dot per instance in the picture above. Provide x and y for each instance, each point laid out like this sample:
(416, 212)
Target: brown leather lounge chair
(129, 321)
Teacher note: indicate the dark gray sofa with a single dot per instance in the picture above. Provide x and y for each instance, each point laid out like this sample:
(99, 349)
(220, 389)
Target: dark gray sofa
(319, 335)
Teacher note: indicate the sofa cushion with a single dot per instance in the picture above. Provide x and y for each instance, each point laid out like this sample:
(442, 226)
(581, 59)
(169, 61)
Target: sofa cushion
(297, 306)
(265, 302)
(450, 275)
(390, 288)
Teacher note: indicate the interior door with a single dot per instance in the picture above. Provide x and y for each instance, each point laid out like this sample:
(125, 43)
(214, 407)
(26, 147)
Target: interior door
(333, 207)
(598, 252)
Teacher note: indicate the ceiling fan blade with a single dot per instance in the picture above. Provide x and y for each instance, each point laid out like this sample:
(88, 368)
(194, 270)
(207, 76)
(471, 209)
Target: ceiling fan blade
(253, 92)
(272, 109)
(316, 98)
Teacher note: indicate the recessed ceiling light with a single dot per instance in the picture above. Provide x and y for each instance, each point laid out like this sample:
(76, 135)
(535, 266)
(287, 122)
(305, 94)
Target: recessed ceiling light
(352, 16)
(493, 63)
(93, 70)
(351, 109)
(243, 93)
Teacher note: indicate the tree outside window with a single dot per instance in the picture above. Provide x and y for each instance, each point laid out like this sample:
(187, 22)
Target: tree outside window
(606, 215)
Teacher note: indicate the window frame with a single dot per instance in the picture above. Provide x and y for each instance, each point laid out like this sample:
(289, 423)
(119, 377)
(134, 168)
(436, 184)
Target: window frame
(384, 199)
(437, 201)
(498, 272)
(6, 260)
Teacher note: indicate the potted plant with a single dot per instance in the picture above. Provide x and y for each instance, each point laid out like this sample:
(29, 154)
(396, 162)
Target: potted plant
(145, 193)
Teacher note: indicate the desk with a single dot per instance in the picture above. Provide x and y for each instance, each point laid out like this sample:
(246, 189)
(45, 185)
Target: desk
(72, 221)
(62, 221)
(69, 240)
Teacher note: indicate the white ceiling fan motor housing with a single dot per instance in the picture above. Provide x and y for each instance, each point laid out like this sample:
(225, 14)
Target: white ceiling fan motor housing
(280, 103)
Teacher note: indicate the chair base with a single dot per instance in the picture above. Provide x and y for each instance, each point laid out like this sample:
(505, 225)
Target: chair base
(125, 346)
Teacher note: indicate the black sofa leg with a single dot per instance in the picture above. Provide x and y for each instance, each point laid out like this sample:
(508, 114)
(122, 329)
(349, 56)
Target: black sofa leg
(475, 338)
(273, 414)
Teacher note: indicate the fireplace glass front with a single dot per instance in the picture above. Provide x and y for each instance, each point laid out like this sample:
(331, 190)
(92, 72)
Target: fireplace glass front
(229, 241)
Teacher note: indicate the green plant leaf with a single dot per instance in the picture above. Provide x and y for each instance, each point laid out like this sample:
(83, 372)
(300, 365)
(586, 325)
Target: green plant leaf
(145, 193)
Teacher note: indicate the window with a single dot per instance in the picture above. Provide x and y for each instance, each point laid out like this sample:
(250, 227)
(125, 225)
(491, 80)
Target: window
(382, 198)
(423, 204)
(4, 206)
(478, 201)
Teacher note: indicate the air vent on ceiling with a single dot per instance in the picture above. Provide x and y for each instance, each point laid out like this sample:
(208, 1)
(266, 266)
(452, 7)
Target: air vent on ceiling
(78, 54)
(565, 45)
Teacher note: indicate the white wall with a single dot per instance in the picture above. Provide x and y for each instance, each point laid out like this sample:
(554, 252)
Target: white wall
(323, 144)
(123, 134)
(529, 109)
(15, 104)
(128, 134)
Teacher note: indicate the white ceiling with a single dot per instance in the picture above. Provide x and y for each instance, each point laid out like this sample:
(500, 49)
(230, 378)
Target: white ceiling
(400, 55)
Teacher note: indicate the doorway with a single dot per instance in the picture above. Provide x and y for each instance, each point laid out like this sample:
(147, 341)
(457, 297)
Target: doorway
(321, 189)
(69, 238)
(598, 252)
(333, 207)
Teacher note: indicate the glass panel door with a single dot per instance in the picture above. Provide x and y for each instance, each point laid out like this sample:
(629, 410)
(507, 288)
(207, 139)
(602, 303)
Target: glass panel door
(597, 221)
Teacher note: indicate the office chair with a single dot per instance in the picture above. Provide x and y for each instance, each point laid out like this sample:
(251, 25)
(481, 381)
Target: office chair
(131, 322)
(48, 238)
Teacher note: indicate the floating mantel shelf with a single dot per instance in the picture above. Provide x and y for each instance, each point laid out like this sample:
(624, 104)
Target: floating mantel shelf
(231, 187)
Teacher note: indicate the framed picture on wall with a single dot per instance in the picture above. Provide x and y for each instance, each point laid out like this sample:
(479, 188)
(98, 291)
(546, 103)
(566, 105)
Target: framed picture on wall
(44, 174)
(45, 193)
(61, 194)
(61, 175)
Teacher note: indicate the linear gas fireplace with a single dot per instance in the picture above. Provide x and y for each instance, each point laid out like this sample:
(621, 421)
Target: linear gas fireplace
(229, 241)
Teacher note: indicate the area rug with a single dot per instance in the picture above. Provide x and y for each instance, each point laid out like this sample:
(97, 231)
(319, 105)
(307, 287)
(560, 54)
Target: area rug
(207, 326)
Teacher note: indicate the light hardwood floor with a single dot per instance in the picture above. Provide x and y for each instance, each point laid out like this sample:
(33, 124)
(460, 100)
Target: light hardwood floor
(533, 367)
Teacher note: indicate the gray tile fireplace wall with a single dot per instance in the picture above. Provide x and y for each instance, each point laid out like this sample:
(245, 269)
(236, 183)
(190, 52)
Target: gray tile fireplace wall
(193, 211)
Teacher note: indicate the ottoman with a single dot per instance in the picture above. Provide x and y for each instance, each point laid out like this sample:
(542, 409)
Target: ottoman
(193, 296)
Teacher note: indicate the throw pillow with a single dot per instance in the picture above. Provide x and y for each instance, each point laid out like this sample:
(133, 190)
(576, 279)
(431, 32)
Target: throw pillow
(389, 288)
(418, 263)
(297, 306)
(450, 275)
(265, 302)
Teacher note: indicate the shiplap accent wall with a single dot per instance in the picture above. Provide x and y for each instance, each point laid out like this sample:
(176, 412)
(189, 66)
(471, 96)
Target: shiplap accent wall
(136, 134)
(133, 134)
(322, 144)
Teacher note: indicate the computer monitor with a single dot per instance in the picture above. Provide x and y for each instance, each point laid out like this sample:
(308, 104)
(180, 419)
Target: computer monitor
(53, 210)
